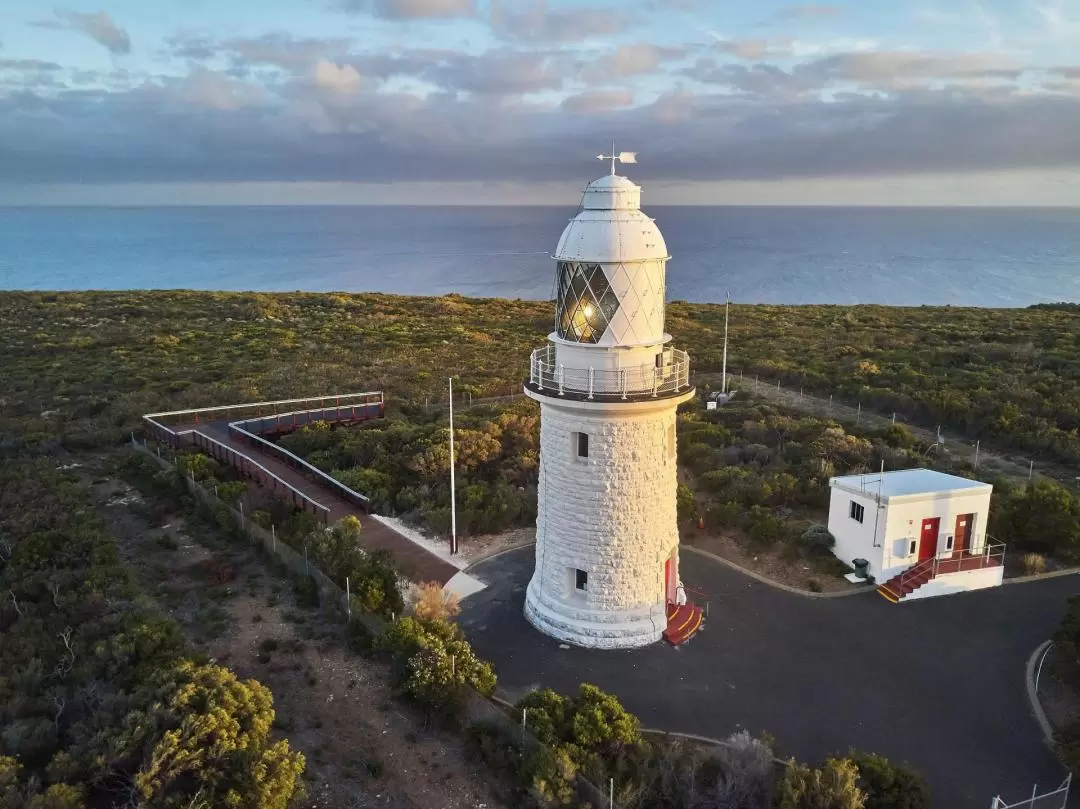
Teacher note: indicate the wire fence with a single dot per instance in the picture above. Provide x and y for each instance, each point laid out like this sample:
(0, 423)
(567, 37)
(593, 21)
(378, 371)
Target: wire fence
(336, 602)
(941, 442)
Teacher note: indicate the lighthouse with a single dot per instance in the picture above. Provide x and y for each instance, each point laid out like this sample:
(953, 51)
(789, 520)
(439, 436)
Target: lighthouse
(608, 383)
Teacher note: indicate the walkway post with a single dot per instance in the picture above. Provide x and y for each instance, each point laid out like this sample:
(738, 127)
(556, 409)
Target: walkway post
(453, 494)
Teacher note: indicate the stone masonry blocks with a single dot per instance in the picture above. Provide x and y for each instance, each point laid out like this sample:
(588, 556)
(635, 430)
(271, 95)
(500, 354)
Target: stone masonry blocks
(612, 515)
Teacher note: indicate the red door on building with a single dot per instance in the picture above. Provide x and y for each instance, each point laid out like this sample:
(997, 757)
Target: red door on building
(667, 581)
(928, 538)
(962, 534)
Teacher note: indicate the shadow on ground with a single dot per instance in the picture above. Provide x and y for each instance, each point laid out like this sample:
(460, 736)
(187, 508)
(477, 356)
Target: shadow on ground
(938, 683)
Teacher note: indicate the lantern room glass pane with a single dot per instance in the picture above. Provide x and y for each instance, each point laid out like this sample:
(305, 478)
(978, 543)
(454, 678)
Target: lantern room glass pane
(585, 302)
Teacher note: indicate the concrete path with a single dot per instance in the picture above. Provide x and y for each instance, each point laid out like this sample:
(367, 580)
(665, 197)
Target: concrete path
(938, 683)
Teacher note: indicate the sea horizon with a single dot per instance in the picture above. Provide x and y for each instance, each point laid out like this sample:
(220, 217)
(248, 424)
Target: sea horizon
(986, 256)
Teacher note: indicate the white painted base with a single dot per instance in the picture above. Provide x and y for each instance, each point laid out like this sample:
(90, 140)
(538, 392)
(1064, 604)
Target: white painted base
(595, 629)
(949, 583)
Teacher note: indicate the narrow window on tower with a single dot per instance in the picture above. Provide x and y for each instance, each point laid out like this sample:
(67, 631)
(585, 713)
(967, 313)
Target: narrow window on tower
(581, 580)
(581, 445)
(671, 441)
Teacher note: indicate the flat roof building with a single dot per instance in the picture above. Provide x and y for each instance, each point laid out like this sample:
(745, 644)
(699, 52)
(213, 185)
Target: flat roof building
(921, 532)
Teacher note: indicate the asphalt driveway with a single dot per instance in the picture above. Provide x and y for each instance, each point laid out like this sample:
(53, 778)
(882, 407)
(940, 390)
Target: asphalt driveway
(938, 683)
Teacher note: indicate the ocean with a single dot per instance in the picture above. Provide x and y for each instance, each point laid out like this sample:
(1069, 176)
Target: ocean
(900, 256)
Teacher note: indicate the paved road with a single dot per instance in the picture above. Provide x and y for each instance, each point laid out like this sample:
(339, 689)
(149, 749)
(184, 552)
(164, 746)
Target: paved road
(938, 683)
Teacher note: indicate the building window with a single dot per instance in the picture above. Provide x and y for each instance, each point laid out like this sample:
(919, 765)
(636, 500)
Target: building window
(581, 445)
(584, 303)
(948, 543)
(911, 548)
(856, 512)
(660, 360)
(581, 580)
(671, 441)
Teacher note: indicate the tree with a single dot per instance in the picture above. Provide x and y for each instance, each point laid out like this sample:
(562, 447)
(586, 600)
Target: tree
(890, 786)
(834, 786)
(1043, 516)
(218, 747)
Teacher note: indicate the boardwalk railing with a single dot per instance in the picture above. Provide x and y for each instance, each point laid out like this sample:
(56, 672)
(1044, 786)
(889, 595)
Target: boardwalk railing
(236, 429)
(340, 407)
(337, 402)
(244, 464)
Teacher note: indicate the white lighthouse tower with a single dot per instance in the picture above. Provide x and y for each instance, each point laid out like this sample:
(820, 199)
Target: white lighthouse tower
(608, 384)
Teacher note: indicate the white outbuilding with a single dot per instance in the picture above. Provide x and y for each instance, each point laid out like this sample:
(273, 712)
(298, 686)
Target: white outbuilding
(920, 532)
(609, 382)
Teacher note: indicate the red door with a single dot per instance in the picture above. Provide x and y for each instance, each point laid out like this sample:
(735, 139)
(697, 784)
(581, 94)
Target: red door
(667, 581)
(962, 533)
(928, 538)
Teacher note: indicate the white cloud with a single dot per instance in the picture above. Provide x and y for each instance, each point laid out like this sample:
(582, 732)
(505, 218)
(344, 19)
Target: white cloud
(341, 79)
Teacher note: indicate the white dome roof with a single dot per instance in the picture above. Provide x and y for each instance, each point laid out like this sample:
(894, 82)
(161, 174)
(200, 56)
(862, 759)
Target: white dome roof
(611, 226)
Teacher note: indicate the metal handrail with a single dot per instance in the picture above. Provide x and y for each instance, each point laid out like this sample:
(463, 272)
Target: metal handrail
(940, 563)
(349, 494)
(546, 373)
(376, 397)
(198, 437)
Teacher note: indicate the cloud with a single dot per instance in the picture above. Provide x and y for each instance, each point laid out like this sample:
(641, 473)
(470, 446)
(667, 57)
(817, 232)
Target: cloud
(756, 49)
(412, 9)
(28, 64)
(630, 60)
(870, 70)
(593, 102)
(808, 12)
(99, 26)
(341, 79)
(274, 49)
(558, 26)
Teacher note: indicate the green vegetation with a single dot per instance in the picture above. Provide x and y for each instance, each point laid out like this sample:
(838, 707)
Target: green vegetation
(100, 700)
(82, 367)
(403, 465)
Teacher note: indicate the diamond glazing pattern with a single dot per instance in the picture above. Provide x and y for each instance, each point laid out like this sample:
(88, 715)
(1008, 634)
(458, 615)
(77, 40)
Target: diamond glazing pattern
(585, 303)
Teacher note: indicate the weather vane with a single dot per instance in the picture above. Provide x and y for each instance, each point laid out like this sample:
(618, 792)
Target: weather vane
(622, 157)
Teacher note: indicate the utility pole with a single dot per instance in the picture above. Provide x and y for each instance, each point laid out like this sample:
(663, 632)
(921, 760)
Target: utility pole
(453, 495)
(723, 375)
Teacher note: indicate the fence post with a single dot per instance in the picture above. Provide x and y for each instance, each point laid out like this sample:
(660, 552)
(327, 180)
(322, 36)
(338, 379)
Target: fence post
(524, 713)
(858, 415)
(348, 598)
(273, 535)
(307, 568)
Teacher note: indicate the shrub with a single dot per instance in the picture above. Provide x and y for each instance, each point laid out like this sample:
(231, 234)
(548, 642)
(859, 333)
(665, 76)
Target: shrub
(306, 591)
(432, 603)
(434, 664)
(890, 786)
(1067, 742)
(1033, 563)
(817, 539)
(1067, 635)
(833, 786)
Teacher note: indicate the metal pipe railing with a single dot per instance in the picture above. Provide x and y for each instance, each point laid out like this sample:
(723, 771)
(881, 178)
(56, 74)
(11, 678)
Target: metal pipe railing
(637, 380)
(991, 554)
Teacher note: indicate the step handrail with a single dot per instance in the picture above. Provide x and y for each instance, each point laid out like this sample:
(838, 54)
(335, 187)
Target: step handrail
(991, 549)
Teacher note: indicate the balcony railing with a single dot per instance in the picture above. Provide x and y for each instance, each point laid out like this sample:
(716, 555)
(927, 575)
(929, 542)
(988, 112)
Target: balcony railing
(636, 381)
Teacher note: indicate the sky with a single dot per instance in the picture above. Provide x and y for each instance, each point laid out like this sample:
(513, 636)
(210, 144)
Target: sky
(921, 102)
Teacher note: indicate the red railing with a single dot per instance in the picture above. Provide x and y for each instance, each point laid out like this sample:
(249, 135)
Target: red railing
(992, 554)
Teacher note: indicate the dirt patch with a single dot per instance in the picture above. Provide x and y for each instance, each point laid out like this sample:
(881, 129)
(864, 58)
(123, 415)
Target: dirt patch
(816, 575)
(485, 545)
(363, 748)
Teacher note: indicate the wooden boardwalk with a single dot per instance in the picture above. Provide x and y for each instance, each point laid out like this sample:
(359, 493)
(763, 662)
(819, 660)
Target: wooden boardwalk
(310, 488)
